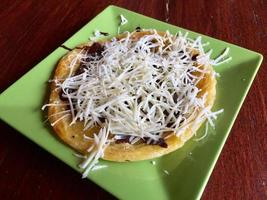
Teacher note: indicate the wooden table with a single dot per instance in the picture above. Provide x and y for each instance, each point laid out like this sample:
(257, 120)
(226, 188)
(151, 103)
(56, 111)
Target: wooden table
(30, 30)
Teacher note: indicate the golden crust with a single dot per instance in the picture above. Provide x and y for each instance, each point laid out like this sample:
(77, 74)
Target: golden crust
(73, 135)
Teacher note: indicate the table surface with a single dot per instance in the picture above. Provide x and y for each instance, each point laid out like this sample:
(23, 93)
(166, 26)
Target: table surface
(30, 30)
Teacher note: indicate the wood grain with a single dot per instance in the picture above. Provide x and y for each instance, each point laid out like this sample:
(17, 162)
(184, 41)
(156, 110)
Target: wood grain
(30, 30)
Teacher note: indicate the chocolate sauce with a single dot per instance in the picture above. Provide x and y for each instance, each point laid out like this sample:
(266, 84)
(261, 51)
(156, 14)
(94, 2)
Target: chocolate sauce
(65, 47)
(104, 33)
(166, 113)
(138, 29)
(127, 104)
(62, 97)
(124, 140)
(161, 142)
(176, 114)
(95, 50)
(80, 70)
(139, 99)
(102, 119)
(194, 57)
(175, 97)
(170, 124)
(183, 57)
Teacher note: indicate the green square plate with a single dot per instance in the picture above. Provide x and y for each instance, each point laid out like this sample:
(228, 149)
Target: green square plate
(189, 167)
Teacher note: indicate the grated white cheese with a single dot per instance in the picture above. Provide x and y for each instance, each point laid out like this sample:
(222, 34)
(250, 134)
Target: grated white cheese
(166, 172)
(97, 167)
(123, 20)
(205, 134)
(97, 151)
(150, 82)
(79, 155)
(87, 137)
(97, 35)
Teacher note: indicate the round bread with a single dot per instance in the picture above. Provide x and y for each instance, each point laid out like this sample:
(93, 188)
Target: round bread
(73, 135)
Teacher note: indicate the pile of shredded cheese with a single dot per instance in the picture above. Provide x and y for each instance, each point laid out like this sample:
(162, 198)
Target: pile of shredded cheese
(142, 88)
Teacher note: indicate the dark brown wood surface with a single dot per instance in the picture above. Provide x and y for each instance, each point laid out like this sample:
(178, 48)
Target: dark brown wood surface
(31, 29)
